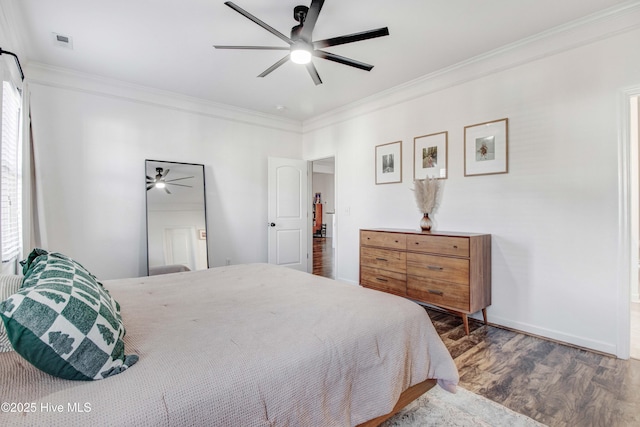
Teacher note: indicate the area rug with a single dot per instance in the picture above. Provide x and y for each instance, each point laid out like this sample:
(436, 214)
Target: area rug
(438, 407)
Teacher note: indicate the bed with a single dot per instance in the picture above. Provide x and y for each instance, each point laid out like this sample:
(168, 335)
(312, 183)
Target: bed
(249, 345)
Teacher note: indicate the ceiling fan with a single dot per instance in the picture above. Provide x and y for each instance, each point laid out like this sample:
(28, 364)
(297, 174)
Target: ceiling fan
(160, 180)
(301, 45)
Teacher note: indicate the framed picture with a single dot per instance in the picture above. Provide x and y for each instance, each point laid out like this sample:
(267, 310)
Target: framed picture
(389, 163)
(430, 156)
(486, 147)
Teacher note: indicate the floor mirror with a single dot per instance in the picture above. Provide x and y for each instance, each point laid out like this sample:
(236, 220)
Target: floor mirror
(176, 217)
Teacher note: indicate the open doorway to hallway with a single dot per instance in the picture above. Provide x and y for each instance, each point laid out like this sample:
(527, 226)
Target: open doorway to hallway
(324, 226)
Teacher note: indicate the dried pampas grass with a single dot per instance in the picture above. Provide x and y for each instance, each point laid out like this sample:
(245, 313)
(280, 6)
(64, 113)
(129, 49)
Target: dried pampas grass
(428, 194)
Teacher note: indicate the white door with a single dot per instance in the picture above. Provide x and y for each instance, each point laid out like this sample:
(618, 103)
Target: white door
(288, 212)
(179, 245)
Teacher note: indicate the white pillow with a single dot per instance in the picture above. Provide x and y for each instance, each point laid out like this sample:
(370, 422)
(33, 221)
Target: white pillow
(9, 285)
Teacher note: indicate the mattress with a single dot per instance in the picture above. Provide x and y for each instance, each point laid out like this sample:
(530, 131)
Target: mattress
(246, 345)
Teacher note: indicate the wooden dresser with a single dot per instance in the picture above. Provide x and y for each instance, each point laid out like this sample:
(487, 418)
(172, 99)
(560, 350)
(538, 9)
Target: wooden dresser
(448, 270)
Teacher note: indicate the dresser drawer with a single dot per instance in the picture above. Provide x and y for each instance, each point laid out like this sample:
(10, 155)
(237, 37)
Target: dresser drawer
(445, 245)
(438, 292)
(383, 280)
(382, 239)
(384, 259)
(455, 270)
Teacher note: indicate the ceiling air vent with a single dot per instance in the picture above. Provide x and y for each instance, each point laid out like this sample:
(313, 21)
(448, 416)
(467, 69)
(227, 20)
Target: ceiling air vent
(62, 40)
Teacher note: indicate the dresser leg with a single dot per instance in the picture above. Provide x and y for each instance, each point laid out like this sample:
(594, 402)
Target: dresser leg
(465, 321)
(484, 314)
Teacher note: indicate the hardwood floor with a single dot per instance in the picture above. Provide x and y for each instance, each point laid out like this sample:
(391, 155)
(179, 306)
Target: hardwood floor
(323, 254)
(554, 384)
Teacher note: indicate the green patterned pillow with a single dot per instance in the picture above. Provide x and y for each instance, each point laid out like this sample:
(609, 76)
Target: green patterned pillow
(9, 285)
(64, 322)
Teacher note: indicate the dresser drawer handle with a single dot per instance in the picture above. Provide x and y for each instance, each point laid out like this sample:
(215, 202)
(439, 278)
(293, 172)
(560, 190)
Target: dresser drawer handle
(381, 259)
(455, 246)
(440, 293)
(435, 267)
(380, 279)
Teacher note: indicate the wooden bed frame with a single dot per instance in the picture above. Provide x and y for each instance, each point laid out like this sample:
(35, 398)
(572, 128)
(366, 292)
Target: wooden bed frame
(407, 396)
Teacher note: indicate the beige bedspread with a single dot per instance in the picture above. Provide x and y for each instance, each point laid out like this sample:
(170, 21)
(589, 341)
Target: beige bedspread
(246, 345)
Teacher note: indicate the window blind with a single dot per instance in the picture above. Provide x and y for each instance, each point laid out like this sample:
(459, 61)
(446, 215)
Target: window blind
(11, 176)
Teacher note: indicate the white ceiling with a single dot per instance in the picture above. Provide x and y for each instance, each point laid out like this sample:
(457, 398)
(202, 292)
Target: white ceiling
(167, 45)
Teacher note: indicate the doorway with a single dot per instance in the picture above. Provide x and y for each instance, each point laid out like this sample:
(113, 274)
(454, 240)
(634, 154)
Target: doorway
(323, 220)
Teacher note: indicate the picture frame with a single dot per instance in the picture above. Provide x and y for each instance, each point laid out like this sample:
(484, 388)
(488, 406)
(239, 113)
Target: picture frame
(389, 163)
(430, 156)
(486, 148)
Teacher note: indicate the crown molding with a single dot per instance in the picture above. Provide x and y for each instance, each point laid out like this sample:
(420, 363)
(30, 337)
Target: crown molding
(62, 78)
(590, 29)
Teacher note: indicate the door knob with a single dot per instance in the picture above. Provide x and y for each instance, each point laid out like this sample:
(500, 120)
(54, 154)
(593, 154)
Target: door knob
(273, 224)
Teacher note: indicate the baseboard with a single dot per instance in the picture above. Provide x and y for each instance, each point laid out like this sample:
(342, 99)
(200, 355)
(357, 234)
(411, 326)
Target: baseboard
(544, 334)
(556, 336)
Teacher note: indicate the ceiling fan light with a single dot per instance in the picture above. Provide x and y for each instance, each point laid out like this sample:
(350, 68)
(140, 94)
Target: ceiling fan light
(160, 185)
(300, 56)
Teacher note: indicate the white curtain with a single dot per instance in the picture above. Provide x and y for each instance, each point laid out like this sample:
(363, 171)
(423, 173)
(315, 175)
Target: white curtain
(33, 208)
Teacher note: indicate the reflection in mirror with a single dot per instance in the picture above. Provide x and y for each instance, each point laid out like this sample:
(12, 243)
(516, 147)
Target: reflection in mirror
(176, 217)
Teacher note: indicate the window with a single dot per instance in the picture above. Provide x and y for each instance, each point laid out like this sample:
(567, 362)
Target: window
(11, 176)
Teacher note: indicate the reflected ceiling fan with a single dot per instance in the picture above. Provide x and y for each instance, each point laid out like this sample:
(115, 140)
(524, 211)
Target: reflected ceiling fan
(160, 180)
(301, 45)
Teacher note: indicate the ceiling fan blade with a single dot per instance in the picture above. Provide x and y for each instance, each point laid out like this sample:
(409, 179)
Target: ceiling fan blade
(314, 73)
(149, 187)
(180, 185)
(342, 60)
(310, 21)
(178, 179)
(165, 173)
(267, 27)
(149, 178)
(274, 66)
(252, 47)
(167, 190)
(350, 38)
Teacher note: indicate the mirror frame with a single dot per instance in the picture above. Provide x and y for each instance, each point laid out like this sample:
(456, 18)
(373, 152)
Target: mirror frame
(204, 199)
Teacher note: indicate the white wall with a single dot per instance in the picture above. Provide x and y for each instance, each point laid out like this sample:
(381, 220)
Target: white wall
(92, 138)
(553, 217)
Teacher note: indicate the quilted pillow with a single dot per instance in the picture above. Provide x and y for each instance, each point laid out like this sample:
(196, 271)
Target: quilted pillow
(9, 285)
(64, 322)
